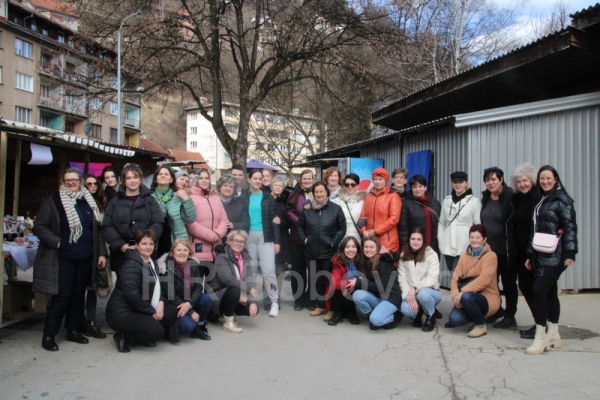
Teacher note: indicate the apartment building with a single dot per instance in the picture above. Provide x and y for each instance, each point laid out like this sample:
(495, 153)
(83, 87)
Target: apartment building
(279, 139)
(50, 77)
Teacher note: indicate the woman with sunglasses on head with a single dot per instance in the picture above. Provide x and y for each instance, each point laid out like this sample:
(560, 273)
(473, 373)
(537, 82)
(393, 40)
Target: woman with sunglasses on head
(139, 310)
(210, 225)
(133, 209)
(176, 205)
(553, 214)
(294, 207)
(71, 244)
(420, 210)
(112, 179)
(351, 200)
(233, 285)
(90, 327)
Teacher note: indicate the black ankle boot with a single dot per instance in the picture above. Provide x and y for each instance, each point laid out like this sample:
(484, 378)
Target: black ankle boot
(418, 320)
(48, 343)
(336, 319)
(397, 318)
(172, 334)
(528, 333)
(200, 333)
(92, 329)
(429, 324)
(121, 342)
(77, 337)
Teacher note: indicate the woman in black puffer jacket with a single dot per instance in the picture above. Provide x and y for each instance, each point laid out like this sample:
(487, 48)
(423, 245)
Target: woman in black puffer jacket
(553, 214)
(132, 209)
(321, 228)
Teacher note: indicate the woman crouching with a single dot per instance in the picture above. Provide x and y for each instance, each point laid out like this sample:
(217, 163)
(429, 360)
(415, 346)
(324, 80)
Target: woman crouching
(474, 285)
(138, 309)
(188, 295)
(373, 295)
(233, 285)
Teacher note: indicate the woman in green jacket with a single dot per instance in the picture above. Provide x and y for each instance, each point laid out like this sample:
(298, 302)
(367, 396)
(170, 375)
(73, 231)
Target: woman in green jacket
(176, 206)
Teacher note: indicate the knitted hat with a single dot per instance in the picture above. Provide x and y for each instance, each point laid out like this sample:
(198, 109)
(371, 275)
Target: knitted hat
(381, 172)
(181, 172)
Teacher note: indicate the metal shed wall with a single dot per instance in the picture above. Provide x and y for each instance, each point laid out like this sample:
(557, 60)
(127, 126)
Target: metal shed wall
(388, 150)
(569, 141)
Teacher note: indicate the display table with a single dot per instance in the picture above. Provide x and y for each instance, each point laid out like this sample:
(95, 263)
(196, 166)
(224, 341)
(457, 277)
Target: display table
(22, 256)
(16, 294)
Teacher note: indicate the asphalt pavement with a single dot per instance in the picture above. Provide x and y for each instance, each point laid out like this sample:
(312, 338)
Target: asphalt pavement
(295, 356)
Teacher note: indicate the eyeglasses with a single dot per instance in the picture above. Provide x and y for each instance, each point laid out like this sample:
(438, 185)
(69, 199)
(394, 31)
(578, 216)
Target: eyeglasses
(350, 184)
(91, 184)
(70, 181)
(239, 242)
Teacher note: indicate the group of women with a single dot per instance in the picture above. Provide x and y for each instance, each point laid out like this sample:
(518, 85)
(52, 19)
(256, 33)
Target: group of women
(376, 252)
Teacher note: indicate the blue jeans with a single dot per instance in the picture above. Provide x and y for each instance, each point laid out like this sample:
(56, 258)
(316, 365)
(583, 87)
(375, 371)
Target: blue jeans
(186, 324)
(382, 311)
(427, 298)
(474, 308)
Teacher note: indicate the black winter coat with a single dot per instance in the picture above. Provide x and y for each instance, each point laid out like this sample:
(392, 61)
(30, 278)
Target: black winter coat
(123, 219)
(284, 229)
(130, 295)
(227, 274)
(47, 229)
(175, 285)
(555, 213)
(412, 216)
(324, 230)
(268, 212)
(508, 210)
(237, 214)
(386, 275)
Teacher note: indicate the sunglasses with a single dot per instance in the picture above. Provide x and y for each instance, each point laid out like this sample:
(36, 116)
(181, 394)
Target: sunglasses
(350, 184)
(91, 184)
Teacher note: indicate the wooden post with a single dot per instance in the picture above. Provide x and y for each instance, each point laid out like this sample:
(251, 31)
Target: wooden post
(86, 166)
(17, 180)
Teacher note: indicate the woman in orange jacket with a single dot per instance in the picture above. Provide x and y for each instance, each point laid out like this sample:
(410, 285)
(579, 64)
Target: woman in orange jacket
(382, 209)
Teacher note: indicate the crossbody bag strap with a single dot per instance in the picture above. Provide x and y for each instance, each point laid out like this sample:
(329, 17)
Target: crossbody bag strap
(351, 217)
(459, 210)
(469, 270)
(427, 207)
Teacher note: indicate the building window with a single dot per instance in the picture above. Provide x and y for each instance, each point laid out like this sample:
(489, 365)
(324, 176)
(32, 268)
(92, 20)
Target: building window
(60, 38)
(193, 130)
(193, 145)
(227, 113)
(258, 117)
(24, 82)
(23, 48)
(114, 108)
(22, 115)
(113, 134)
(114, 83)
(70, 126)
(96, 131)
(44, 31)
(96, 104)
(194, 115)
(231, 128)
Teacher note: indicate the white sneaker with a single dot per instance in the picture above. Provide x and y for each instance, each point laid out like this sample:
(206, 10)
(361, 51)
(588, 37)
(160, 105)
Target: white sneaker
(274, 310)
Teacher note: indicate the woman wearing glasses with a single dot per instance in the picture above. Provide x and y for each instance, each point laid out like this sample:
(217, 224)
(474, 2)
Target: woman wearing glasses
(233, 286)
(351, 200)
(71, 244)
(132, 209)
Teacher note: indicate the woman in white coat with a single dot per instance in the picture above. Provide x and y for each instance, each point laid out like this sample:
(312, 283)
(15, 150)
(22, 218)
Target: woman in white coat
(460, 211)
(418, 273)
(351, 200)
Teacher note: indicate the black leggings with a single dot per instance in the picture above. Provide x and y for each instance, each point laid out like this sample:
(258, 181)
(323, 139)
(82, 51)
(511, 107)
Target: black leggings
(143, 328)
(341, 304)
(230, 303)
(91, 302)
(299, 276)
(546, 305)
(526, 280)
(508, 275)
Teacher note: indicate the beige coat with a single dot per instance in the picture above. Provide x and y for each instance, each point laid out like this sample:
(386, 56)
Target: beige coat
(484, 267)
(424, 274)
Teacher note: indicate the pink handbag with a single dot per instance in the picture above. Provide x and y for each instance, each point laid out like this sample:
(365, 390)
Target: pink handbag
(545, 242)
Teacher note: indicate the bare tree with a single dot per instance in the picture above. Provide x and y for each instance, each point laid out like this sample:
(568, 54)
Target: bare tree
(232, 51)
(557, 19)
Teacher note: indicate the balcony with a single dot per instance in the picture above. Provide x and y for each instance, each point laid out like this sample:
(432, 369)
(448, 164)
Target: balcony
(132, 123)
(57, 103)
(51, 68)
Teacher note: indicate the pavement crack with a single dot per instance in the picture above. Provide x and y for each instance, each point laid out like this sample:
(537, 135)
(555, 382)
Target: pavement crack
(452, 386)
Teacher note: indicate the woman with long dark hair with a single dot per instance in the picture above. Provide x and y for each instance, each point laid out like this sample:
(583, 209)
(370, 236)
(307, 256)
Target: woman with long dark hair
(112, 180)
(553, 214)
(377, 292)
(71, 244)
(346, 264)
(419, 270)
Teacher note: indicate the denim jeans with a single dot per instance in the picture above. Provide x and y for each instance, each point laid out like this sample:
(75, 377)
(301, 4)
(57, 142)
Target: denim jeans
(382, 311)
(474, 308)
(186, 324)
(427, 298)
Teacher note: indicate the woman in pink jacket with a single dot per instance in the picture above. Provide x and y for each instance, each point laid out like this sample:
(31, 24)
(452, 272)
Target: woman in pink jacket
(211, 221)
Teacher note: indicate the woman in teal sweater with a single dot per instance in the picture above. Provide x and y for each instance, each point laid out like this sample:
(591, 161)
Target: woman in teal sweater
(176, 205)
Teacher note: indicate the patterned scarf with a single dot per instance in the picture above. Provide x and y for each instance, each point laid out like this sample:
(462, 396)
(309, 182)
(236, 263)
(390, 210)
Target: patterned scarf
(68, 200)
(318, 206)
(163, 196)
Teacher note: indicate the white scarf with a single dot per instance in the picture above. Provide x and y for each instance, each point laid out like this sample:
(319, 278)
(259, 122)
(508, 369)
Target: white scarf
(68, 200)
(156, 292)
